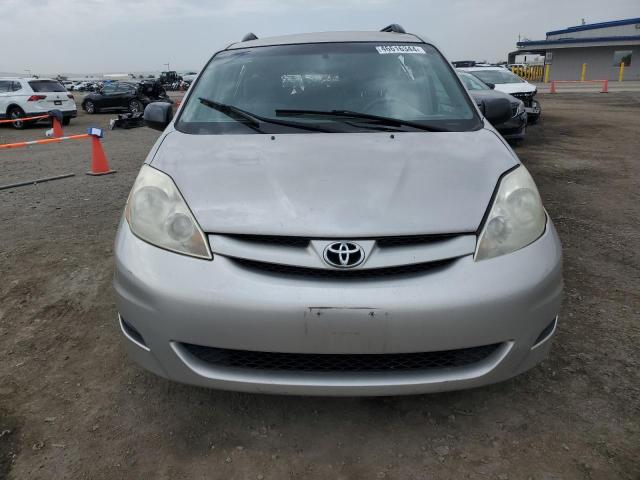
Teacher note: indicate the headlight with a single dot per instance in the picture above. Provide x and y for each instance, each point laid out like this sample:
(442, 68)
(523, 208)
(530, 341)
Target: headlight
(157, 213)
(520, 109)
(516, 218)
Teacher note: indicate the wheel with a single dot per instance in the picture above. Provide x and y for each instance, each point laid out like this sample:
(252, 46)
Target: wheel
(135, 106)
(90, 107)
(66, 121)
(17, 112)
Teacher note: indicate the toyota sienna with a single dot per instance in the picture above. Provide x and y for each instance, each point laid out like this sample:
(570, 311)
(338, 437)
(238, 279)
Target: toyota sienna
(332, 214)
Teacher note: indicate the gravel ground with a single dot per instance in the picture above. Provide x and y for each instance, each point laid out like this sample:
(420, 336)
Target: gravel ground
(72, 406)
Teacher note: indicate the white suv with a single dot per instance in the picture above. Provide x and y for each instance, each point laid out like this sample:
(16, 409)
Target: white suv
(26, 97)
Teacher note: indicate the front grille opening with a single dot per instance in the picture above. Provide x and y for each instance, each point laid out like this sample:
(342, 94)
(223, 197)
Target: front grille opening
(132, 332)
(409, 240)
(546, 332)
(341, 274)
(317, 362)
(527, 98)
(277, 240)
(303, 242)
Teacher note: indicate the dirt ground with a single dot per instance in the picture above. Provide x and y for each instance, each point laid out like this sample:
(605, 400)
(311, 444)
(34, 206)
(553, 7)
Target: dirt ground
(72, 406)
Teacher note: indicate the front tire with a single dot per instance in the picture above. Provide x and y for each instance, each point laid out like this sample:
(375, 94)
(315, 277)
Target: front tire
(135, 106)
(90, 107)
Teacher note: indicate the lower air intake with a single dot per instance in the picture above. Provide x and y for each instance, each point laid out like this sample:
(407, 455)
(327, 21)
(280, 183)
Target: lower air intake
(340, 362)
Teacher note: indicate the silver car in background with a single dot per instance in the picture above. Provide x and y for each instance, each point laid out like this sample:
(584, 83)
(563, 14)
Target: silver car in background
(331, 214)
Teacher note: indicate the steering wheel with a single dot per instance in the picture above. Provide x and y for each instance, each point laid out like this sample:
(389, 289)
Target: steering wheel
(403, 104)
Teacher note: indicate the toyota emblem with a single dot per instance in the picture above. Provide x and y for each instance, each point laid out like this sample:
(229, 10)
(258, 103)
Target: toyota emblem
(344, 254)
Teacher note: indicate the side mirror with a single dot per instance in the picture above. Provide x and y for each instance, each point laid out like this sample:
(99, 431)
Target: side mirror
(496, 110)
(158, 115)
(490, 85)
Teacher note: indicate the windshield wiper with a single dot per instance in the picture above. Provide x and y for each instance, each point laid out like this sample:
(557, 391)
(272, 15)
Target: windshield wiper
(253, 120)
(396, 122)
(237, 114)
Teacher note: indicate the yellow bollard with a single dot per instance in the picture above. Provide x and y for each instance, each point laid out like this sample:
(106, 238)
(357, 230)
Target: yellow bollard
(546, 73)
(583, 75)
(621, 76)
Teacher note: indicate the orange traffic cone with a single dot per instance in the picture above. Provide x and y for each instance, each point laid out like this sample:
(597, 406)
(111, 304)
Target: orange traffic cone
(99, 162)
(57, 128)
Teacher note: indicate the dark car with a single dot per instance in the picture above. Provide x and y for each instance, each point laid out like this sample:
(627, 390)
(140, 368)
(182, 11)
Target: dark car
(514, 128)
(124, 96)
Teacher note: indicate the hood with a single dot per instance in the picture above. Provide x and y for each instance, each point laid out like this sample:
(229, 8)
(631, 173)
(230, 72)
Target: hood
(515, 87)
(336, 185)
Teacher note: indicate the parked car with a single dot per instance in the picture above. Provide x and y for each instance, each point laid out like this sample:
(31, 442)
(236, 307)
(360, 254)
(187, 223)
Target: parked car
(28, 97)
(124, 96)
(331, 214)
(83, 86)
(189, 77)
(514, 128)
(169, 78)
(508, 82)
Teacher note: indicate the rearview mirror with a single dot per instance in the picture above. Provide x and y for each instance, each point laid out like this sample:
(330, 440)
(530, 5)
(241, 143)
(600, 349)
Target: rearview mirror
(158, 115)
(490, 85)
(496, 110)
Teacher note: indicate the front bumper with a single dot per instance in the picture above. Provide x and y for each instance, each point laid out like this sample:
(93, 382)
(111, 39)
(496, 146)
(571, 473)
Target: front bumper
(171, 300)
(534, 110)
(514, 128)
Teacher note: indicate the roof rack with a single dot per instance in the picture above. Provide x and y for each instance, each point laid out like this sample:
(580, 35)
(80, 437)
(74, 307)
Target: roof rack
(394, 27)
(249, 36)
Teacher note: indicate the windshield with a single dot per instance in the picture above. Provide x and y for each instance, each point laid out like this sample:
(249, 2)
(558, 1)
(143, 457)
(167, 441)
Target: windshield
(46, 86)
(472, 83)
(408, 82)
(497, 76)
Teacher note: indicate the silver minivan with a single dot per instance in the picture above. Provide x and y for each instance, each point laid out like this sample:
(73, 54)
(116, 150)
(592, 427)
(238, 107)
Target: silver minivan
(331, 214)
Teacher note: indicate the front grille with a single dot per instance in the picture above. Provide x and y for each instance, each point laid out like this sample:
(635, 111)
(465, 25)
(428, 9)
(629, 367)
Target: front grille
(303, 242)
(338, 274)
(409, 240)
(527, 98)
(278, 240)
(318, 362)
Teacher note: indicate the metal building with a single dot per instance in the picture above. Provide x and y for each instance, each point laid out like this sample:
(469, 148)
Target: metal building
(601, 46)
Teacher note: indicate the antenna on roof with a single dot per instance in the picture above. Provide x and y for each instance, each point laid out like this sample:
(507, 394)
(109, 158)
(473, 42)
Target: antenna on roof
(394, 27)
(249, 36)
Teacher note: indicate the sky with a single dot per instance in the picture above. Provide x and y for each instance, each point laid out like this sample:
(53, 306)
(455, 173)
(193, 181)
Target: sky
(122, 36)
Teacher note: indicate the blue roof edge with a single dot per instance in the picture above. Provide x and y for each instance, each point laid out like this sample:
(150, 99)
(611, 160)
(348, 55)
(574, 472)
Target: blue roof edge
(591, 26)
(577, 40)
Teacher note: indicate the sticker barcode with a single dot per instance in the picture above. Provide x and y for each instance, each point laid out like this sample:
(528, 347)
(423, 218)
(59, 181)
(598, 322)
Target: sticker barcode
(400, 49)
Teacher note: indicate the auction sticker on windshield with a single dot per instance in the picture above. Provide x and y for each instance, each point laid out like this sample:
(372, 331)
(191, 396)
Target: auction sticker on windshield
(400, 49)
